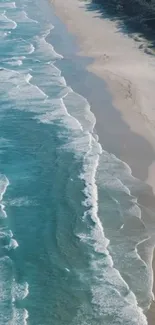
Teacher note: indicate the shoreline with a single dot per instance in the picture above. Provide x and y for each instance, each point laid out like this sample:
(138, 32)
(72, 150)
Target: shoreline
(128, 73)
(151, 312)
(138, 128)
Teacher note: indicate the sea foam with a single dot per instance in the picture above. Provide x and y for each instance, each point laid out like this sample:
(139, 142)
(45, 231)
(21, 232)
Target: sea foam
(111, 294)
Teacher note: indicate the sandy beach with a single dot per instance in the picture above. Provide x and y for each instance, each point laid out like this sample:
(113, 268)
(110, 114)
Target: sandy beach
(130, 77)
(128, 71)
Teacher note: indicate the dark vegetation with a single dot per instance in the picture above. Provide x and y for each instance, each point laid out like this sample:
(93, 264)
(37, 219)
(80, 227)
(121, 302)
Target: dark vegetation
(136, 15)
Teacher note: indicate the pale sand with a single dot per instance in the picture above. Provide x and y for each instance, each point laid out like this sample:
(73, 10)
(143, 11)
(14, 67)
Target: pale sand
(128, 71)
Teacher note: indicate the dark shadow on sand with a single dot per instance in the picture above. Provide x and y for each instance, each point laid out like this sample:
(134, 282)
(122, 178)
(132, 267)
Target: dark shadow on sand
(131, 16)
(114, 134)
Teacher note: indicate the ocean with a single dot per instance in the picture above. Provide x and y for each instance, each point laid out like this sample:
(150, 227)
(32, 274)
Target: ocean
(70, 225)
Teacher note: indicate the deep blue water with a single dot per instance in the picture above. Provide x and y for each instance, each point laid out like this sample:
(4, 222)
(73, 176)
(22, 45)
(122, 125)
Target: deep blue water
(60, 193)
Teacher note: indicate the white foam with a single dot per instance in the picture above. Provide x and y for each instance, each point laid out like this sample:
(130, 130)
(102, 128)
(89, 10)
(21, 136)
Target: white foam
(20, 88)
(102, 266)
(20, 16)
(83, 114)
(18, 48)
(108, 274)
(12, 245)
(7, 5)
(84, 143)
(115, 178)
(9, 23)
(5, 266)
(10, 293)
(20, 316)
(3, 34)
(45, 50)
(72, 111)
(19, 291)
(28, 18)
(53, 69)
(21, 201)
(49, 79)
(87, 145)
(111, 294)
(4, 182)
(60, 113)
(14, 62)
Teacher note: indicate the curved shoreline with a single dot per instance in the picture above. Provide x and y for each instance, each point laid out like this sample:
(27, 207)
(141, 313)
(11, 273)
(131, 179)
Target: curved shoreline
(133, 128)
(127, 71)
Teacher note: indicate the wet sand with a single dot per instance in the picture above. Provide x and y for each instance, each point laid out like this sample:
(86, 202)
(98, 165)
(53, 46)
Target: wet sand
(118, 70)
(128, 71)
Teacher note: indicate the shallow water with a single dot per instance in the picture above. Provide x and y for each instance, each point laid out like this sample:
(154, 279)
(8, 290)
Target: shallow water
(69, 225)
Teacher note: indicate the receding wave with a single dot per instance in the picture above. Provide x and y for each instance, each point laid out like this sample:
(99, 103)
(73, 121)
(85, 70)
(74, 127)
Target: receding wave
(8, 285)
(82, 204)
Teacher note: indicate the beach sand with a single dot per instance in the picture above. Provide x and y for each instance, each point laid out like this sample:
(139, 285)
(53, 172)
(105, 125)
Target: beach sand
(129, 72)
(130, 76)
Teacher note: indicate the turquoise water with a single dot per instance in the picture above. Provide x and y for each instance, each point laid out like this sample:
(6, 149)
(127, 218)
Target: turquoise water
(69, 226)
